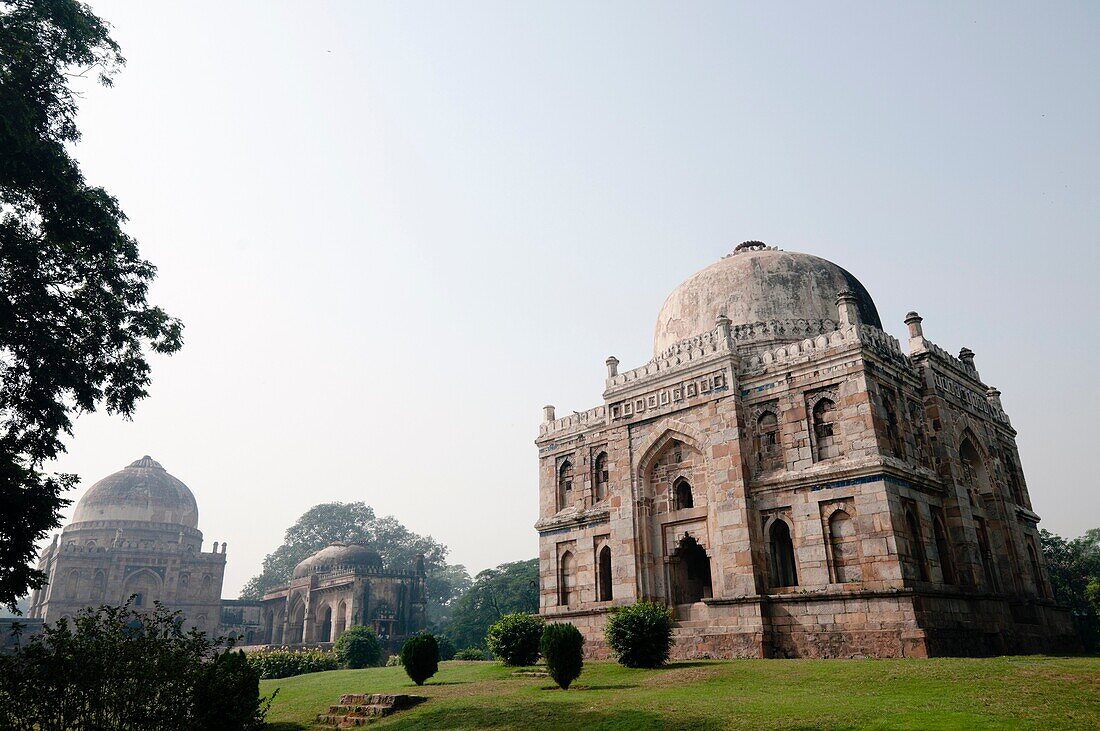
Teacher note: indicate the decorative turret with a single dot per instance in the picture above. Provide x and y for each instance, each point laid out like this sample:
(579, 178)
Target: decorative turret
(847, 306)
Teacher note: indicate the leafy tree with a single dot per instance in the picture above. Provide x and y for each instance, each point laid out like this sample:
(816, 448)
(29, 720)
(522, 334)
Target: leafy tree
(515, 638)
(358, 647)
(447, 649)
(507, 589)
(420, 657)
(397, 545)
(75, 326)
(117, 668)
(562, 646)
(1072, 565)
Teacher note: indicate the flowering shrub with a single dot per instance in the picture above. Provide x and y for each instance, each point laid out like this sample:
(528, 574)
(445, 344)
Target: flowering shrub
(284, 662)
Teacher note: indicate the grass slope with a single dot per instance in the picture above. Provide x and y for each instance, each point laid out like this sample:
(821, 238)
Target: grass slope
(949, 693)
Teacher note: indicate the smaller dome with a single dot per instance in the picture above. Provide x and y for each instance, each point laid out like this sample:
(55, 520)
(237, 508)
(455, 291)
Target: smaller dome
(142, 491)
(339, 555)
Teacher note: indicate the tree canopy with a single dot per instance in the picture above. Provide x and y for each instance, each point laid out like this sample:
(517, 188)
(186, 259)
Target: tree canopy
(1072, 566)
(75, 326)
(328, 523)
(506, 589)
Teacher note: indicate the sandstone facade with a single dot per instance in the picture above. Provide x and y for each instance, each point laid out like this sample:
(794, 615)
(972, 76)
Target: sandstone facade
(134, 533)
(795, 487)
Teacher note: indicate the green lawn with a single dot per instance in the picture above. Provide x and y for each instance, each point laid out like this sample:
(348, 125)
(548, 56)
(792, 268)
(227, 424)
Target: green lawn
(949, 693)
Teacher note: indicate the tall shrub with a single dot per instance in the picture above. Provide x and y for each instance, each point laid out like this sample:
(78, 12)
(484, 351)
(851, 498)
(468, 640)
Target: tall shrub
(515, 638)
(562, 647)
(358, 647)
(641, 634)
(420, 656)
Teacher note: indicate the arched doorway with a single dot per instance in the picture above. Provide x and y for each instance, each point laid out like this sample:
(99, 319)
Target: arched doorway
(325, 634)
(341, 619)
(296, 622)
(567, 578)
(689, 572)
(605, 574)
(782, 571)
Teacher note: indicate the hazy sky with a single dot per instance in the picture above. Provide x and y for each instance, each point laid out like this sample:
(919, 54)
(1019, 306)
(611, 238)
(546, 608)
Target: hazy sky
(395, 230)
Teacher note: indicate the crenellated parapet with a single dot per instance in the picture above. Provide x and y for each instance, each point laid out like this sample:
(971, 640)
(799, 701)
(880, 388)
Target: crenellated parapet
(577, 421)
(686, 352)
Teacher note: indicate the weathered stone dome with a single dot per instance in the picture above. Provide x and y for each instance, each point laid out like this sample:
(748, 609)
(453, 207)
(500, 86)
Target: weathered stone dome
(339, 555)
(758, 284)
(142, 491)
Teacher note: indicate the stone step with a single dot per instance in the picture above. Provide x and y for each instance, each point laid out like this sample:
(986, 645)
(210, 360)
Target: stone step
(371, 710)
(397, 700)
(359, 709)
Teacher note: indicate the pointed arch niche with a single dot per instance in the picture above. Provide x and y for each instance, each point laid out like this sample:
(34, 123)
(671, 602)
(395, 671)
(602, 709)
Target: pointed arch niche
(674, 472)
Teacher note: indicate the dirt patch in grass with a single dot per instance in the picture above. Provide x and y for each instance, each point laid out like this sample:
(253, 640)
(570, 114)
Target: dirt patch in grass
(683, 676)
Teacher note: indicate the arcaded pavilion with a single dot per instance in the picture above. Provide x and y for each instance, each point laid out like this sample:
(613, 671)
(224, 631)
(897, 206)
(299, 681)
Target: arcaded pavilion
(134, 533)
(794, 483)
(344, 585)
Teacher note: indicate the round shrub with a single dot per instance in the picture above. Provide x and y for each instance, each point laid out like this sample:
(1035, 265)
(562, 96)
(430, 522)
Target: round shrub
(447, 647)
(562, 646)
(358, 647)
(641, 634)
(420, 656)
(515, 638)
(470, 653)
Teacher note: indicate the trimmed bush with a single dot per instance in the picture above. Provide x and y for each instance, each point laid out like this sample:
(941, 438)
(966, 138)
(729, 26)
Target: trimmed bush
(470, 653)
(515, 638)
(562, 645)
(358, 647)
(420, 656)
(287, 663)
(447, 647)
(641, 634)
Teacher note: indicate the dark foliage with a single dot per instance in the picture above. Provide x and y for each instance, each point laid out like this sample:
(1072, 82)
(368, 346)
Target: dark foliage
(470, 653)
(116, 668)
(641, 634)
(75, 326)
(227, 694)
(327, 523)
(447, 649)
(515, 638)
(420, 657)
(509, 588)
(358, 647)
(1072, 565)
(562, 647)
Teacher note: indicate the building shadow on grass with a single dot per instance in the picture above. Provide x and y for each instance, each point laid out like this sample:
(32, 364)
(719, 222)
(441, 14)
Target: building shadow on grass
(543, 715)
